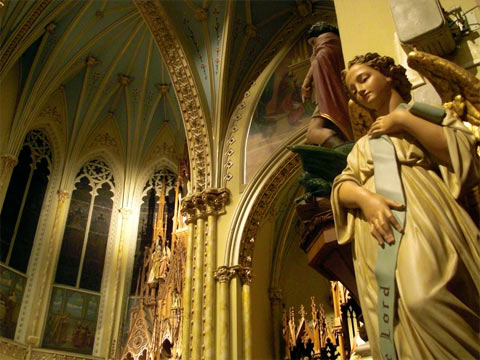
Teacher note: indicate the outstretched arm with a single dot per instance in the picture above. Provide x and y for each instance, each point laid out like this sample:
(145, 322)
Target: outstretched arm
(375, 207)
(430, 135)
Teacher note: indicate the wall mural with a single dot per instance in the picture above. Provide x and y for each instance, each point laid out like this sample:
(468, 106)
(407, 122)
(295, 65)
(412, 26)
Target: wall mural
(72, 321)
(280, 111)
(12, 287)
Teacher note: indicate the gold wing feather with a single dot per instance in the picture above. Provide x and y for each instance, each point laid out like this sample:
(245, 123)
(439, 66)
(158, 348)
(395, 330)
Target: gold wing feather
(458, 88)
(460, 92)
(360, 119)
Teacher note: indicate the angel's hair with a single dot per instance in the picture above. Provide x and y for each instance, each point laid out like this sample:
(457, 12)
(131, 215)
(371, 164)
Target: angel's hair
(386, 66)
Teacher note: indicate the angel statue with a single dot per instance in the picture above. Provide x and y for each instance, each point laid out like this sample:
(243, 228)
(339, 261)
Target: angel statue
(416, 251)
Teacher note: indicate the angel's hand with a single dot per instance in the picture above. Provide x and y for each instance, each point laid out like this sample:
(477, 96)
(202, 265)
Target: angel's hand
(377, 210)
(388, 124)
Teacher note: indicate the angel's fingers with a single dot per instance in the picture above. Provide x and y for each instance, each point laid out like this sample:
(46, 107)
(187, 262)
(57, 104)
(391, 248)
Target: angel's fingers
(376, 235)
(395, 205)
(384, 229)
(393, 220)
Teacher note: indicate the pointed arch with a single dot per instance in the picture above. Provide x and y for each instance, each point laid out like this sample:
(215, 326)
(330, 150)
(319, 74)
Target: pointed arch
(191, 105)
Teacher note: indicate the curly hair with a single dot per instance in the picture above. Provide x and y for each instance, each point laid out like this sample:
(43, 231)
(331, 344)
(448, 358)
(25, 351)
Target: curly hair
(320, 28)
(386, 66)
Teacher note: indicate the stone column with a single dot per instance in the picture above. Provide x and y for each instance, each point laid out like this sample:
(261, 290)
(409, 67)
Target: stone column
(188, 210)
(276, 304)
(7, 163)
(199, 246)
(47, 277)
(223, 275)
(215, 200)
(245, 276)
(119, 288)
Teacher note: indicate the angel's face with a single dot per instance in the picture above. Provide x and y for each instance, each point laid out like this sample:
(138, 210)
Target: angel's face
(368, 86)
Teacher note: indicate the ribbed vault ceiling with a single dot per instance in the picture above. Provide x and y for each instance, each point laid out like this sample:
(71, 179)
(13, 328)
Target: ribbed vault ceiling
(107, 60)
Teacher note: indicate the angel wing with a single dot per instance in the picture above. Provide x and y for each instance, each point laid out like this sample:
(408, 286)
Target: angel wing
(458, 88)
(360, 119)
(460, 92)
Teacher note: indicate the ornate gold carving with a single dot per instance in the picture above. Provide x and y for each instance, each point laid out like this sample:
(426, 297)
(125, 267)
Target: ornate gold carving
(224, 274)
(163, 88)
(92, 61)
(22, 32)
(124, 80)
(201, 14)
(51, 27)
(199, 204)
(125, 212)
(105, 140)
(262, 203)
(62, 195)
(52, 112)
(244, 274)
(187, 208)
(185, 88)
(251, 30)
(458, 88)
(12, 349)
(216, 199)
(304, 8)
(8, 162)
(275, 295)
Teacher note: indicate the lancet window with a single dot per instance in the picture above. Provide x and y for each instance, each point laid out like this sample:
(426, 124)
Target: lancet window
(18, 223)
(75, 295)
(158, 191)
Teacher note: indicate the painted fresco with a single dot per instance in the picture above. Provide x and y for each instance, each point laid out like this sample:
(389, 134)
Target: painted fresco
(71, 321)
(12, 287)
(280, 112)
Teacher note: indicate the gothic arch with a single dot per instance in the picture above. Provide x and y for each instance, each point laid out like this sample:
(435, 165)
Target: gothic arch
(191, 105)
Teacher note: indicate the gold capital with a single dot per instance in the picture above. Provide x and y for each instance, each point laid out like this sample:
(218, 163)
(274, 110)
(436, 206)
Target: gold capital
(215, 200)
(224, 274)
(125, 212)
(244, 273)
(62, 195)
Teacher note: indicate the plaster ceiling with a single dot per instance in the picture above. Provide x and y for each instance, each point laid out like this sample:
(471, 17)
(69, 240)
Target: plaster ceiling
(128, 79)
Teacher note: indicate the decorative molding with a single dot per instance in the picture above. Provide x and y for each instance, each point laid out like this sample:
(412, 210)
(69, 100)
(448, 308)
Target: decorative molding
(244, 273)
(276, 295)
(262, 202)
(215, 200)
(12, 349)
(185, 88)
(224, 274)
(18, 39)
(204, 203)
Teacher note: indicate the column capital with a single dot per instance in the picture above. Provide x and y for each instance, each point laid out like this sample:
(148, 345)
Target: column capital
(199, 204)
(215, 200)
(125, 212)
(187, 208)
(275, 295)
(62, 195)
(244, 273)
(92, 60)
(8, 161)
(224, 274)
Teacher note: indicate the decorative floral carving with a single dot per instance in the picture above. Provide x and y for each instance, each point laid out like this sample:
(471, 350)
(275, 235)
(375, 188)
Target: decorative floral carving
(244, 273)
(275, 295)
(224, 274)
(215, 200)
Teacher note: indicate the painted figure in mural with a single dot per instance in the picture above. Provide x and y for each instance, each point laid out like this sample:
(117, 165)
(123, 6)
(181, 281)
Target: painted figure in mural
(437, 275)
(329, 124)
